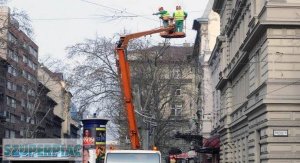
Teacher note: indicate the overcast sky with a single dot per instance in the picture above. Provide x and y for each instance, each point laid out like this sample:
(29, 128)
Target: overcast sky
(61, 23)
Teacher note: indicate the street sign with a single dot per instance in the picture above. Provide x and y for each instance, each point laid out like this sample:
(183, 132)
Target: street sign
(280, 133)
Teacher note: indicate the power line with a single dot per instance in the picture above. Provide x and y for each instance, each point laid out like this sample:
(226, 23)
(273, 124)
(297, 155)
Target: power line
(122, 11)
(97, 4)
(83, 18)
(134, 15)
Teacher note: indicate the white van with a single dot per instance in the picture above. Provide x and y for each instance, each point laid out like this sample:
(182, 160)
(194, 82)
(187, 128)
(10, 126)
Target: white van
(132, 156)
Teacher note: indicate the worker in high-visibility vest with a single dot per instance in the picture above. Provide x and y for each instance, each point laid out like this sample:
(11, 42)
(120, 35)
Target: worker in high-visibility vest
(179, 15)
(164, 15)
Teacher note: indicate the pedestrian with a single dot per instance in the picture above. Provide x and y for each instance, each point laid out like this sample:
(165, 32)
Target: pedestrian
(179, 15)
(164, 15)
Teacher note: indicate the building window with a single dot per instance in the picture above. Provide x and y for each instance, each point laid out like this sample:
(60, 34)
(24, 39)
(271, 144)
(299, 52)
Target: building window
(34, 66)
(12, 70)
(176, 109)
(178, 92)
(22, 117)
(32, 121)
(30, 106)
(31, 78)
(257, 68)
(28, 119)
(33, 51)
(12, 134)
(13, 55)
(28, 76)
(6, 133)
(176, 73)
(31, 92)
(24, 74)
(25, 46)
(2, 81)
(13, 118)
(19, 88)
(7, 116)
(23, 103)
(11, 86)
(257, 145)
(24, 88)
(25, 59)
(12, 38)
(21, 132)
(11, 102)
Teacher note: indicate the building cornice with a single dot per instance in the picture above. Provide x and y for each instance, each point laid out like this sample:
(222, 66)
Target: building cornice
(239, 123)
(219, 41)
(238, 65)
(236, 15)
(197, 23)
(218, 5)
(222, 80)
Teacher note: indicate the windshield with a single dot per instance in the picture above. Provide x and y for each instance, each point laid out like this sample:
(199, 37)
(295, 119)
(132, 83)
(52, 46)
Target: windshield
(132, 158)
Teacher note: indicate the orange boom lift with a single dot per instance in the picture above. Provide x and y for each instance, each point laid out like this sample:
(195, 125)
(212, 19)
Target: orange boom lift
(124, 72)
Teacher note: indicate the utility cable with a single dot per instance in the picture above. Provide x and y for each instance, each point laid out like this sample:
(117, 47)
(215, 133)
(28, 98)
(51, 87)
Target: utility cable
(97, 4)
(81, 18)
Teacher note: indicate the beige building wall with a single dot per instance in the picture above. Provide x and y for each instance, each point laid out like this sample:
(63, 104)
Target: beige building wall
(209, 30)
(60, 94)
(258, 55)
(4, 17)
(214, 65)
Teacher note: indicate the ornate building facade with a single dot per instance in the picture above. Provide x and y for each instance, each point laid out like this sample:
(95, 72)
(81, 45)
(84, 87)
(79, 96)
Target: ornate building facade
(258, 57)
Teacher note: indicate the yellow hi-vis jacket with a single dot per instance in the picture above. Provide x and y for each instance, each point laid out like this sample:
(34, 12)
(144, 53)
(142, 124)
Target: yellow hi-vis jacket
(179, 15)
(165, 15)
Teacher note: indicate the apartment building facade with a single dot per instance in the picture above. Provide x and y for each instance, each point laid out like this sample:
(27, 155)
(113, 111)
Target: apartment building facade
(49, 125)
(21, 54)
(170, 108)
(58, 92)
(208, 28)
(27, 109)
(3, 81)
(257, 56)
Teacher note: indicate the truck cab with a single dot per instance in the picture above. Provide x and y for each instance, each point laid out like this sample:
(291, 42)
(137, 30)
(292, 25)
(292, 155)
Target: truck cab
(132, 156)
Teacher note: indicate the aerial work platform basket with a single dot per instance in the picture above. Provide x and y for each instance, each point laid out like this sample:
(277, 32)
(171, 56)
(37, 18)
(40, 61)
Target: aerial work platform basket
(172, 34)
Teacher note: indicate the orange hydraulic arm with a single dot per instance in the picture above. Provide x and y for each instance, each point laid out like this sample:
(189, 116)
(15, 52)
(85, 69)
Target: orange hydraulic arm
(124, 72)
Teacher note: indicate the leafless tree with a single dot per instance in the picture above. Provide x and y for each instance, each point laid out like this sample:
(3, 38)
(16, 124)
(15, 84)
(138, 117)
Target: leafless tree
(17, 19)
(40, 104)
(156, 75)
(94, 80)
(161, 80)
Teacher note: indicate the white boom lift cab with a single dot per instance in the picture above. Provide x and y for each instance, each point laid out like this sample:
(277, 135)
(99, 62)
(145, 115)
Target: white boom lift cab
(132, 156)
